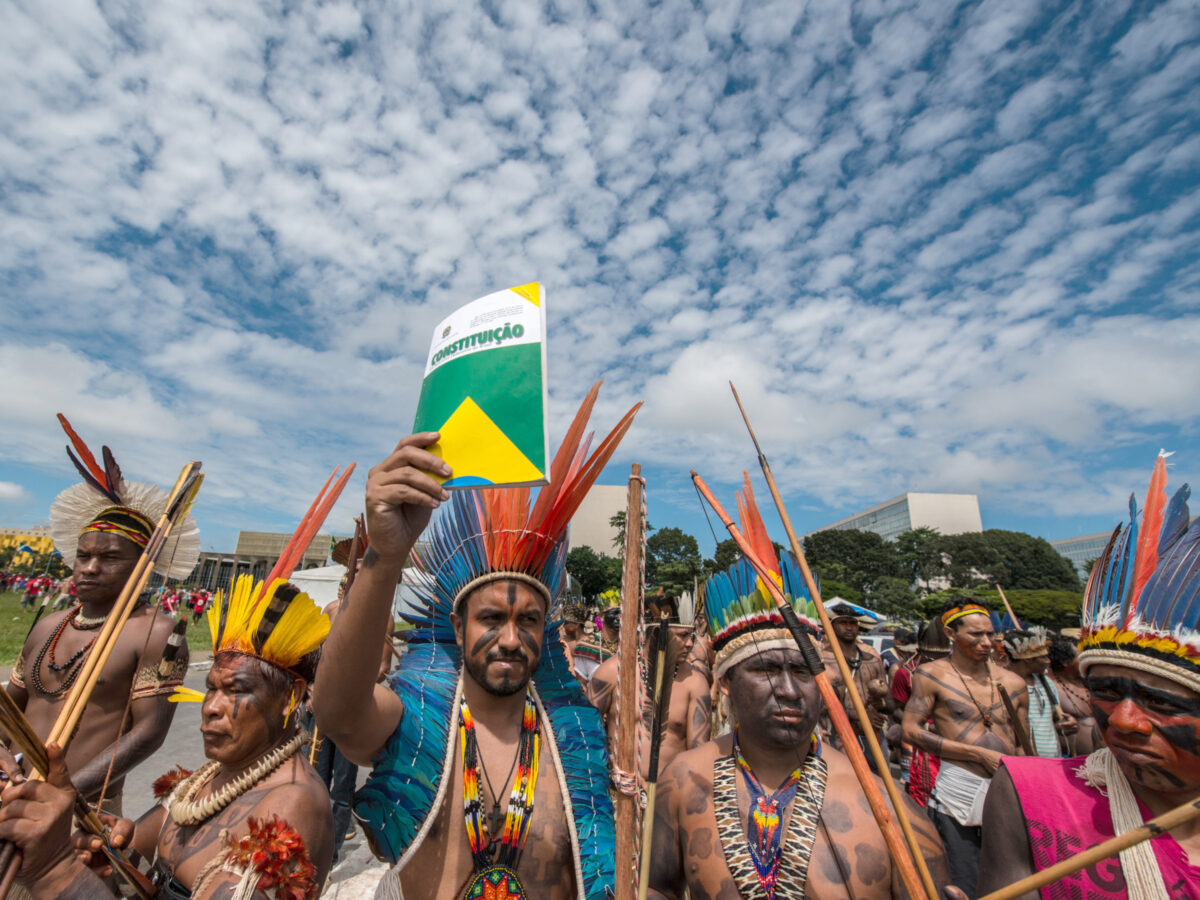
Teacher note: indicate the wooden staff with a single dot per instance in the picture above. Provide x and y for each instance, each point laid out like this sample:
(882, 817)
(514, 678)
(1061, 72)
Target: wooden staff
(1012, 615)
(627, 692)
(660, 664)
(1180, 815)
(860, 710)
(913, 882)
(13, 720)
(1019, 732)
(181, 498)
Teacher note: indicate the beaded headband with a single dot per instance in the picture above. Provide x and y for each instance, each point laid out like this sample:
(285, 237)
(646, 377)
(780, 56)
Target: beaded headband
(961, 612)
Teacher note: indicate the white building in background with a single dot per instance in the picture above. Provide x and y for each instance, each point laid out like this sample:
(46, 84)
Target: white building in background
(948, 513)
(590, 525)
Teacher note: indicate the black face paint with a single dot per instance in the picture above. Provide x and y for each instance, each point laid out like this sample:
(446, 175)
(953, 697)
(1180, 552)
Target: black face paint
(512, 593)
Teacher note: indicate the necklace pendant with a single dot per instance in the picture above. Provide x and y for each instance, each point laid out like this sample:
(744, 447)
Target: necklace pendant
(495, 883)
(494, 822)
(987, 721)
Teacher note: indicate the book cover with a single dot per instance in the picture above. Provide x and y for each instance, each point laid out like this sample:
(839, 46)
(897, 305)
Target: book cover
(485, 390)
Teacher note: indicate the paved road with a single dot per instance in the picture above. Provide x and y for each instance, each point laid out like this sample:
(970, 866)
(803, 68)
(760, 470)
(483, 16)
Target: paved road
(355, 876)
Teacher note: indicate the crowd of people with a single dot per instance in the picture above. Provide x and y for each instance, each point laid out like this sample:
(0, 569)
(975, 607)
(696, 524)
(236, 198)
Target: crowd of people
(492, 744)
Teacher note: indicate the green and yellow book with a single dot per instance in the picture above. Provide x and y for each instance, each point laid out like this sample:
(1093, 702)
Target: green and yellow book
(485, 390)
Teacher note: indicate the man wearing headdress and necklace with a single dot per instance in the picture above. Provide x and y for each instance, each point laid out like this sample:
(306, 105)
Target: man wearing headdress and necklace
(254, 822)
(1140, 661)
(685, 693)
(768, 810)
(866, 666)
(1029, 656)
(489, 776)
(972, 730)
(591, 652)
(101, 528)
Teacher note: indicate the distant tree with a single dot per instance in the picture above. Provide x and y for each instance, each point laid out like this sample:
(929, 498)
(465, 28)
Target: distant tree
(618, 522)
(723, 557)
(1054, 609)
(921, 555)
(894, 598)
(972, 560)
(594, 571)
(855, 558)
(672, 560)
(1088, 563)
(1030, 563)
(830, 589)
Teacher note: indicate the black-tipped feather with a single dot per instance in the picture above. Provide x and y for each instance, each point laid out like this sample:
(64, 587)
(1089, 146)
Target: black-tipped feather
(112, 472)
(171, 651)
(275, 610)
(90, 478)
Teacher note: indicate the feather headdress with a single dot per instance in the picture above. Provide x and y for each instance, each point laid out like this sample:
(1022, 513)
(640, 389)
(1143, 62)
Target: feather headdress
(271, 620)
(1027, 643)
(496, 534)
(743, 619)
(1141, 607)
(610, 599)
(106, 502)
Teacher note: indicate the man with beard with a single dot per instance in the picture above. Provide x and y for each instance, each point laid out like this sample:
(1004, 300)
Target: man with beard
(767, 810)
(1140, 660)
(489, 772)
(101, 528)
(255, 818)
(685, 693)
(972, 731)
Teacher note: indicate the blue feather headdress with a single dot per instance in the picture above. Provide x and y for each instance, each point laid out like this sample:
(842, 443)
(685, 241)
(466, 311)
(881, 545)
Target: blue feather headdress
(1141, 607)
(741, 613)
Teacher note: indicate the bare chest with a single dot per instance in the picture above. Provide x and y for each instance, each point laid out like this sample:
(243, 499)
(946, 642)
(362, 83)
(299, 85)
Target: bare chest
(440, 867)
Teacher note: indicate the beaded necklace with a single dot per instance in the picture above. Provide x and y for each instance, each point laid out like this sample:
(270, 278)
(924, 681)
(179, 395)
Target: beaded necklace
(486, 854)
(72, 666)
(764, 829)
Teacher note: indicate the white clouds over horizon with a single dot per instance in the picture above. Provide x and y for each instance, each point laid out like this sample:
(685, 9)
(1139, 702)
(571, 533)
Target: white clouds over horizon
(937, 246)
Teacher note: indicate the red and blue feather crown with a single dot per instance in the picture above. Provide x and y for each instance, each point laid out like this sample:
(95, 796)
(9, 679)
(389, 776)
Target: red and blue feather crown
(1141, 607)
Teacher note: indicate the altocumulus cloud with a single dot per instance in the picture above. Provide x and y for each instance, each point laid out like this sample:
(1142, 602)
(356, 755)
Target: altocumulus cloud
(938, 246)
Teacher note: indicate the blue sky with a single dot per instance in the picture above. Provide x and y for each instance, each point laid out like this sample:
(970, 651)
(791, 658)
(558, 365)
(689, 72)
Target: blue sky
(937, 246)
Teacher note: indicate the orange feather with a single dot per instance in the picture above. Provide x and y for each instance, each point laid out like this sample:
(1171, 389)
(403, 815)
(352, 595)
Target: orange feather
(1146, 559)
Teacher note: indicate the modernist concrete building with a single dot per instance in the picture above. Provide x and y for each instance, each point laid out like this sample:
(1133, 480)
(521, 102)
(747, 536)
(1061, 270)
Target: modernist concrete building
(255, 554)
(948, 513)
(1081, 549)
(590, 525)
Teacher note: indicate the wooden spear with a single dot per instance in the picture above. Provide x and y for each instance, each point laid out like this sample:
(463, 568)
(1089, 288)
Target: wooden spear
(1019, 731)
(13, 720)
(627, 687)
(1180, 815)
(181, 498)
(860, 711)
(660, 665)
(1012, 615)
(898, 850)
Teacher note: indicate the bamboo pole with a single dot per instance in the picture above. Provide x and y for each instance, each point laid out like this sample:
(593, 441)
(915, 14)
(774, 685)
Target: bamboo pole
(1173, 818)
(897, 848)
(660, 665)
(1012, 615)
(627, 686)
(180, 500)
(14, 722)
(860, 711)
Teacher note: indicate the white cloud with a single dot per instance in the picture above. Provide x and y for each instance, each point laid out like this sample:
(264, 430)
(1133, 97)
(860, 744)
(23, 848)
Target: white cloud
(930, 246)
(10, 491)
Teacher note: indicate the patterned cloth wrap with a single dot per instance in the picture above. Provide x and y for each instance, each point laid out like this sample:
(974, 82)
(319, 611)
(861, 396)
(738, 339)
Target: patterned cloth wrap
(397, 802)
(1064, 816)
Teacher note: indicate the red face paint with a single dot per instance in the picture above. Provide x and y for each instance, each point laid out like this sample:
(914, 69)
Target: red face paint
(1152, 730)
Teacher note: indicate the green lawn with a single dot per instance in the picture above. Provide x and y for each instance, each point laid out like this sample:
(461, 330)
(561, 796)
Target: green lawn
(14, 624)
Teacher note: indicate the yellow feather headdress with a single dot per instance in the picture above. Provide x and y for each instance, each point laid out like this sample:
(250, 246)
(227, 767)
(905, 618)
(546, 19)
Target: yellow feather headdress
(279, 625)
